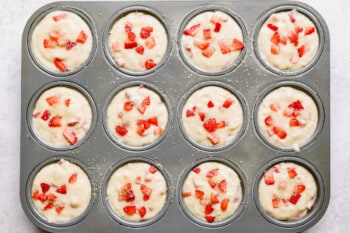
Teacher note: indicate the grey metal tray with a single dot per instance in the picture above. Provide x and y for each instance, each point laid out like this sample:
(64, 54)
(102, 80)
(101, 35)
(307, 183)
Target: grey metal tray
(174, 154)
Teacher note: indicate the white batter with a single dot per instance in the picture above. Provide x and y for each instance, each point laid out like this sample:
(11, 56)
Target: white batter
(285, 124)
(290, 196)
(297, 44)
(61, 192)
(210, 103)
(137, 191)
(62, 41)
(204, 49)
(216, 184)
(134, 122)
(143, 52)
(61, 117)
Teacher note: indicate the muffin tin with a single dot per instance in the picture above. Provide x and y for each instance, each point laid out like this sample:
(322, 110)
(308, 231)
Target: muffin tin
(174, 154)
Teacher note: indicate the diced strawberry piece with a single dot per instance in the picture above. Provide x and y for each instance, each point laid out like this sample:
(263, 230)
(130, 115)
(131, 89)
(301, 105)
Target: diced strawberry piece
(214, 198)
(213, 138)
(292, 173)
(59, 208)
(72, 123)
(210, 104)
(73, 178)
(52, 100)
(128, 106)
(217, 27)
(120, 62)
(222, 185)
(220, 124)
(208, 52)
(224, 47)
(216, 19)
(281, 133)
(131, 36)
(142, 211)
(140, 49)
(149, 64)
(55, 121)
(291, 17)
(144, 104)
(49, 205)
(207, 34)
(199, 194)
(126, 187)
(294, 122)
(69, 45)
(296, 105)
(269, 179)
(116, 47)
(130, 209)
(130, 44)
(35, 195)
(60, 64)
(268, 121)
(129, 195)
(189, 113)
(140, 130)
(212, 173)
(283, 40)
(46, 115)
(42, 197)
(298, 29)
(274, 107)
(54, 36)
(81, 37)
(44, 187)
(227, 103)
(62, 189)
(157, 131)
(49, 44)
(121, 130)
(146, 32)
(35, 115)
(208, 209)
(150, 42)
(275, 49)
(210, 218)
(153, 120)
(275, 39)
(186, 194)
(303, 49)
(192, 31)
(224, 204)
(275, 202)
(201, 115)
(212, 184)
(272, 27)
(128, 27)
(288, 112)
(294, 59)
(152, 169)
(210, 125)
(70, 136)
(309, 30)
(276, 169)
(67, 102)
(201, 44)
(59, 17)
(299, 188)
(146, 191)
(237, 45)
(196, 170)
(51, 197)
(294, 198)
(294, 38)
(138, 180)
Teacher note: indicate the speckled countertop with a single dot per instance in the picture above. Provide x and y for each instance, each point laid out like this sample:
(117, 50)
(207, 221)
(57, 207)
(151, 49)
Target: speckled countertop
(14, 15)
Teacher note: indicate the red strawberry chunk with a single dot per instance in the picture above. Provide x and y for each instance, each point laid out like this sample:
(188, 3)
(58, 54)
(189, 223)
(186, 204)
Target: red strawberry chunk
(299, 188)
(268, 121)
(152, 169)
(144, 104)
(237, 45)
(50, 205)
(296, 105)
(274, 107)
(303, 49)
(35, 115)
(128, 27)
(146, 32)
(224, 47)
(276, 169)
(73, 178)
(208, 52)
(201, 44)
(294, 38)
(292, 173)
(186, 194)
(275, 202)
(55, 121)
(157, 131)
(42, 197)
(210, 218)
(189, 113)
(275, 39)
(128, 106)
(70, 136)
(210, 104)
(72, 123)
(59, 208)
(60, 64)
(210, 125)
(138, 180)
(208, 209)
(212, 173)
(294, 122)
(46, 115)
(150, 42)
(298, 29)
(140, 49)
(69, 45)
(207, 34)
(59, 17)
(81, 37)
(291, 17)
(294, 198)
(199, 194)
(49, 44)
(130, 44)
(213, 138)
(153, 120)
(52, 100)
(146, 191)
(196, 170)
(224, 204)
(212, 184)
(126, 187)
(35, 195)
(131, 36)
(129, 195)
(149, 64)
(192, 31)
(142, 211)
(51, 197)
(281, 133)
(201, 115)
(269, 179)
(54, 35)
(214, 198)
(222, 185)
(217, 27)
(220, 124)
(140, 130)
(44, 187)
(130, 209)
(283, 40)
(309, 30)
(272, 27)
(62, 189)
(67, 102)
(227, 103)
(275, 49)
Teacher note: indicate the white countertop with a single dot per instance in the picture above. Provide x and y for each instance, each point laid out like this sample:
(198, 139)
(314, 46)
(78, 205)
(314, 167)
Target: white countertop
(14, 15)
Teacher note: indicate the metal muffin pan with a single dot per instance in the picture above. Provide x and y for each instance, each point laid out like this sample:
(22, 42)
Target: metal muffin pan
(250, 79)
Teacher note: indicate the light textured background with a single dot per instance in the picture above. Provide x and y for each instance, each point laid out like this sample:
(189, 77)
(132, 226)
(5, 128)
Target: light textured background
(13, 17)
